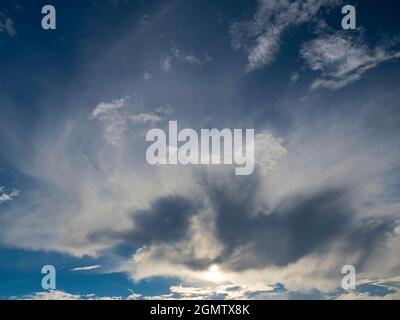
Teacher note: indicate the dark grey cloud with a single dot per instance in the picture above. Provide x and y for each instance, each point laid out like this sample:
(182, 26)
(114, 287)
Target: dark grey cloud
(298, 227)
(369, 235)
(166, 221)
(254, 236)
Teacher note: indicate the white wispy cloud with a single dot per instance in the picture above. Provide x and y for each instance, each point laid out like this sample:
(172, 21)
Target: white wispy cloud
(261, 37)
(50, 295)
(145, 118)
(6, 196)
(166, 110)
(268, 151)
(114, 123)
(7, 26)
(106, 108)
(182, 56)
(117, 115)
(86, 268)
(342, 58)
(146, 76)
(294, 77)
(166, 64)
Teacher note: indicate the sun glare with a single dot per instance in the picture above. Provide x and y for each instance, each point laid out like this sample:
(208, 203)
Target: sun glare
(214, 274)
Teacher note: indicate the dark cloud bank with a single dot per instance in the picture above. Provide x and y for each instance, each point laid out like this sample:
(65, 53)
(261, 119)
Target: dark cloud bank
(253, 236)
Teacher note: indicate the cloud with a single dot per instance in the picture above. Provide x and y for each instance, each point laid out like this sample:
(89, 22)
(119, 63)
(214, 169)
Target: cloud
(53, 295)
(7, 196)
(292, 222)
(114, 123)
(145, 118)
(294, 77)
(166, 64)
(87, 268)
(91, 186)
(323, 218)
(165, 110)
(378, 289)
(261, 37)
(7, 26)
(146, 76)
(106, 108)
(182, 56)
(168, 219)
(366, 290)
(116, 117)
(268, 150)
(226, 292)
(62, 295)
(366, 296)
(342, 58)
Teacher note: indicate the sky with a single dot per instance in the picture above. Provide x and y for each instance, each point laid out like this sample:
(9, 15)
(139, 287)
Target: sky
(77, 193)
